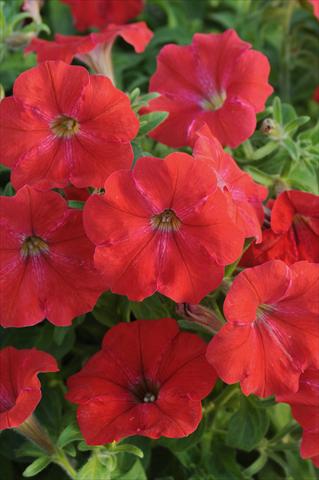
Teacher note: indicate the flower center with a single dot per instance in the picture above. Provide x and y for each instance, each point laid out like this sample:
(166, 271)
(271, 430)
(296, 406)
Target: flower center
(64, 126)
(262, 311)
(149, 397)
(215, 102)
(146, 391)
(166, 221)
(33, 246)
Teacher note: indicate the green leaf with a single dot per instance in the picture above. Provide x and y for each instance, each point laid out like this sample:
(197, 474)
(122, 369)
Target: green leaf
(76, 204)
(37, 466)
(247, 426)
(126, 448)
(151, 308)
(265, 150)
(280, 415)
(276, 110)
(304, 177)
(138, 152)
(135, 473)
(222, 463)
(59, 334)
(291, 148)
(29, 449)
(70, 434)
(138, 101)
(94, 470)
(296, 123)
(299, 468)
(149, 121)
(260, 176)
(111, 309)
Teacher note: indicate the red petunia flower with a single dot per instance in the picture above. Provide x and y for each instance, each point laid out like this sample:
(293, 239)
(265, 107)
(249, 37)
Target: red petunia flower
(93, 49)
(272, 330)
(244, 192)
(305, 409)
(64, 126)
(316, 94)
(163, 226)
(315, 5)
(46, 267)
(99, 13)
(20, 388)
(294, 232)
(216, 80)
(148, 379)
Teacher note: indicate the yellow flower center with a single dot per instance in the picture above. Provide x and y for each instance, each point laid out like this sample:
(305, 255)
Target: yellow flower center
(166, 221)
(215, 102)
(64, 126)
(33, 246)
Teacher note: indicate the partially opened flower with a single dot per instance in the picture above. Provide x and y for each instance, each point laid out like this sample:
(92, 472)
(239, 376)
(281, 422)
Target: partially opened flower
(46, 268)
(305, 409)
(272, 329)
(64, 126)
(294, 231)
(33, 7)
(244, 192)
(298, 213)
(216, 80)
(99, 13)
(148, 379)
(20, 388)
(93, 49)
(163, 226)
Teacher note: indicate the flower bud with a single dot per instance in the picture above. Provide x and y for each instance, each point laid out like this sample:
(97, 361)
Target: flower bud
(201, 315)
(17, 40)
(268, 126)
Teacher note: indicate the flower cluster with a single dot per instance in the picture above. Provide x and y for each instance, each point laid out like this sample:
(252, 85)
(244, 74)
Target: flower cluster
(148, 225)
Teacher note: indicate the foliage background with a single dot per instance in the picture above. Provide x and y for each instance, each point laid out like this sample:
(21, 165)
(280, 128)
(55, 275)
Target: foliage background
(239, 437)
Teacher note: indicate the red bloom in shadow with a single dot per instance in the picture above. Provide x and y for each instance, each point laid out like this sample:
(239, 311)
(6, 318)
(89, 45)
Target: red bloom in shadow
(216, 80)
(148, 379)
(98, 13)
(294, 232)
(77, 194)
(163, 226)
(64, 126)
(316, 92)
(244, 192)
(272, 329)
(20, 388)
(92, 49)
(305, 409)
(46, 267)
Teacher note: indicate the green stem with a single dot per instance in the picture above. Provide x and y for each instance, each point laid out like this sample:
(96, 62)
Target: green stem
(290, 427)
(226, 395)
(33, 431)
(62, 460)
